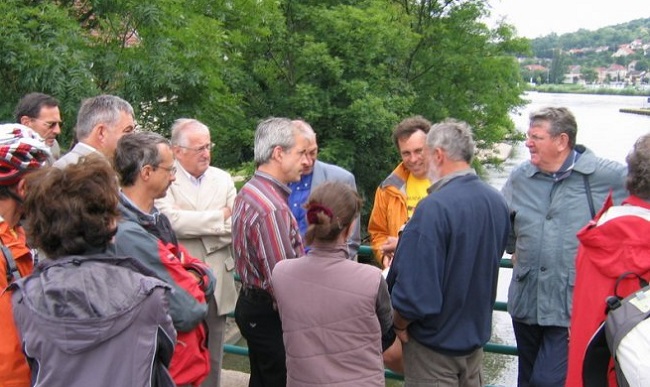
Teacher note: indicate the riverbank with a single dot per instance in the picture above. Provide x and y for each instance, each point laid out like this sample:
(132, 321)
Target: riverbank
(645, 112)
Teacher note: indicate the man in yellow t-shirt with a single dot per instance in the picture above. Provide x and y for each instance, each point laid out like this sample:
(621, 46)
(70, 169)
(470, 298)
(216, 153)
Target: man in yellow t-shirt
(398, 195)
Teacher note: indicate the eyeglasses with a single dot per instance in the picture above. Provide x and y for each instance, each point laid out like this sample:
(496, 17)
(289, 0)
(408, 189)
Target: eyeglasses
(171, 170)
(49, 124)
(206, 147)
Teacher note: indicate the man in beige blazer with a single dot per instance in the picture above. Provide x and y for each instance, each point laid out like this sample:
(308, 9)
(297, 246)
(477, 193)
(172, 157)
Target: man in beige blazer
(199, 204)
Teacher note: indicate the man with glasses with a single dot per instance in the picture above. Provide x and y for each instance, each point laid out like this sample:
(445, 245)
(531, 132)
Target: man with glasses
(401, 191)
(101, 122)
(313, 175)
(199, 205)
(40, 112)
(144, 162)
(551, 197)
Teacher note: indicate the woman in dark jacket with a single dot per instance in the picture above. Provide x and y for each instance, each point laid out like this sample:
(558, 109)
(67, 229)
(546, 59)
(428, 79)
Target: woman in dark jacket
(86, 317)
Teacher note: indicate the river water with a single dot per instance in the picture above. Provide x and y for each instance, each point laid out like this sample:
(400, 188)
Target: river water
(602, 128)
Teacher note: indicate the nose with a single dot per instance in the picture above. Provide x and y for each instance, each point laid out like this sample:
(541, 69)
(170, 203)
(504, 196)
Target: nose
(529, 142)
(56, 129)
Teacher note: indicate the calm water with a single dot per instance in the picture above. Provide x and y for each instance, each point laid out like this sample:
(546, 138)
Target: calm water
(603, 129)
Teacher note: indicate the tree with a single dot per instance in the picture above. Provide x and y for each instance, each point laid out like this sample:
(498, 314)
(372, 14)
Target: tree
(352, 68)
(356, 68)
(558, 67)
(43, 49)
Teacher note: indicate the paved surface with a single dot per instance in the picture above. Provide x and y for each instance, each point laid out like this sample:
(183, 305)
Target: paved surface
(231, 378)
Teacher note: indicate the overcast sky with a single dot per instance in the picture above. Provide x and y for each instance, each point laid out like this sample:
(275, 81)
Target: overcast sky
(541, 17)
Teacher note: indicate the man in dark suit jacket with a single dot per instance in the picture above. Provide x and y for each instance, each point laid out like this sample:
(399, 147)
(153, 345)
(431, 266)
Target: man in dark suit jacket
(317, 173)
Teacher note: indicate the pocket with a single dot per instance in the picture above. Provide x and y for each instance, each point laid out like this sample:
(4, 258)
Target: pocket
(229, 263)
(571, 282)
(517, 294)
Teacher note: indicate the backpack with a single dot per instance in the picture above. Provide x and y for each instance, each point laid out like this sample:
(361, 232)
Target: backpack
(627, 330)
(623, 337)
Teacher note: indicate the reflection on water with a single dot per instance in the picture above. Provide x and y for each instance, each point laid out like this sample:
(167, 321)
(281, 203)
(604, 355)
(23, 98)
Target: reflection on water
(602, 128)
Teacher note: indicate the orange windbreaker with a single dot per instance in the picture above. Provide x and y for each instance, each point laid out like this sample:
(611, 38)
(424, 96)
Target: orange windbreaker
(14, 371)
(389, 210)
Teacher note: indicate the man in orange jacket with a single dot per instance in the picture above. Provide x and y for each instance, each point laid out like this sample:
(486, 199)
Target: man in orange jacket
(401, 191)
(21, 151)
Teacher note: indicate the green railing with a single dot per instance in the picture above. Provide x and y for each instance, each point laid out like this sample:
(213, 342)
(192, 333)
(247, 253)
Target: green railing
(499, 306)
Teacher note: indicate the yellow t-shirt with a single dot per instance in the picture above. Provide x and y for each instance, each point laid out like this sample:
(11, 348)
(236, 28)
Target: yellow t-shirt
(416, 190)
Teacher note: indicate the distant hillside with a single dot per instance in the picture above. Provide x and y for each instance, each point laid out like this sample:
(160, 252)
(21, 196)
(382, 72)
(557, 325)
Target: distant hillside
(611, 36)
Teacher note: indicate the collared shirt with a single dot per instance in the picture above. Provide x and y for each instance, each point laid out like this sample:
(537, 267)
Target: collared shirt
(264, 231)
(299, 194)
(196, 181)
(567, 167)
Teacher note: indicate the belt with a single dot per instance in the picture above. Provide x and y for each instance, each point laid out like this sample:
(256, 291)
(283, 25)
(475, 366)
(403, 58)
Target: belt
(256, 294)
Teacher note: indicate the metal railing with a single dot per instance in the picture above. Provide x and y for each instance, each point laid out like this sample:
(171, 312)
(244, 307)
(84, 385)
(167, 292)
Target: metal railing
(499, 306)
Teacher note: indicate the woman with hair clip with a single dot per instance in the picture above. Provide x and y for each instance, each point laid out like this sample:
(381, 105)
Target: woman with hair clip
(336, 313)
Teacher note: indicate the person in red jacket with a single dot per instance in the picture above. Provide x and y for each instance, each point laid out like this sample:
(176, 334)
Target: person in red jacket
(21, 151)
(614, 242)
(144, 162)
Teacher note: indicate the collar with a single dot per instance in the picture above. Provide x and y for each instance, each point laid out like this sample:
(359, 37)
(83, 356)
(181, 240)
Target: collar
(275, 182)
(151, 217)
(86, 146)
(447, 178)
(194, 180)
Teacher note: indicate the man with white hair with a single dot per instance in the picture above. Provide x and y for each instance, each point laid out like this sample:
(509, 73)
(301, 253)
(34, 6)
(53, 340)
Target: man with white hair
(443, 278)
(199, 204)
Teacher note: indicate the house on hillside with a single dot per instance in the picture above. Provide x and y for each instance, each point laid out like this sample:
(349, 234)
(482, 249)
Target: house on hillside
(623, 50)
(574, 76)
(616, 72)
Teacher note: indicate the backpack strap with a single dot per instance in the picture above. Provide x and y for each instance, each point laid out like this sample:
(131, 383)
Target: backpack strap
(12, 269)
(590, 199)
(642, 282)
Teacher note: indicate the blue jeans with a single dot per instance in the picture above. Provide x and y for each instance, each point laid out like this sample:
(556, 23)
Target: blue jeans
(543, 355)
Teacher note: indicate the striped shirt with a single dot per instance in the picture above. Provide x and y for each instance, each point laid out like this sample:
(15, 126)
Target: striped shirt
(264, 231)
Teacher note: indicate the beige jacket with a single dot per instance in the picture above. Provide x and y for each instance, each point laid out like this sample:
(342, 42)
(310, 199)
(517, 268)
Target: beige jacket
(197, 218)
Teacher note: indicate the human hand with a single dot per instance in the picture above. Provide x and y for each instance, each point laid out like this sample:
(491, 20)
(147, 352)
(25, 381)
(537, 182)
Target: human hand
(402, 334)
(227, 212)
(389, 246)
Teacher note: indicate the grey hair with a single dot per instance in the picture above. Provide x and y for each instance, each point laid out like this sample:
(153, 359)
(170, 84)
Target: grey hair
(561, 120)
(134, 151)
(638, 168)
(305, 129)
(272, 132)
(102, 109)
(182, 126)
(454, 137)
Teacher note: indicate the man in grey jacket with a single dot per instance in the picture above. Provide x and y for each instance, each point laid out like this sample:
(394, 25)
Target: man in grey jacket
(551, 197)
(316, 173)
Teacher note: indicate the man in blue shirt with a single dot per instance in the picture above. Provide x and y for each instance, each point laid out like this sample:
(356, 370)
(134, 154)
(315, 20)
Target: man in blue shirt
(318, 172)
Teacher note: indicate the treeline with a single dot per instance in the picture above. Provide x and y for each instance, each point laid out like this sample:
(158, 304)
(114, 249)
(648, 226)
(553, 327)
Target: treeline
(353, 69)
(610, 36)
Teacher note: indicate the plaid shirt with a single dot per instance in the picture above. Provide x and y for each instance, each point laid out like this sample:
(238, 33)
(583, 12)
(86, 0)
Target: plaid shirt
(264, 231)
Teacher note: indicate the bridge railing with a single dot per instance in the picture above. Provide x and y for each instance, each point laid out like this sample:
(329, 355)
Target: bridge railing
(499, 306)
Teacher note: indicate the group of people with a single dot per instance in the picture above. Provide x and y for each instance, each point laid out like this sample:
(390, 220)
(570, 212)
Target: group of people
(128, 276)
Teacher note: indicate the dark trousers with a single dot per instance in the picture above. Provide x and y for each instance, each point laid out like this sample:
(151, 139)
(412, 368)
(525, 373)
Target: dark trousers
(543, 355)
(259, 323)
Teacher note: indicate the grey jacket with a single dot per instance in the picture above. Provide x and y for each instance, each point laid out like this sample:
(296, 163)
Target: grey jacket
(94, 321)
(547, 215)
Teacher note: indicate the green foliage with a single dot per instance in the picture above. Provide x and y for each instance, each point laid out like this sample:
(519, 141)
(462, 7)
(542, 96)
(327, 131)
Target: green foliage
(43, 49)
(352, 68)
